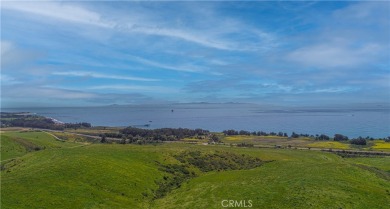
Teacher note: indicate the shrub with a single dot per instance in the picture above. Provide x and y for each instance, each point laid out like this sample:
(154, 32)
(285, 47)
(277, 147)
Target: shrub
(359, 141)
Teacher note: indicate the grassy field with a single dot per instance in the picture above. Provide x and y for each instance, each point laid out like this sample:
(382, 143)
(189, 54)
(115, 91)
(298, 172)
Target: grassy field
(10, 148)
(381, 145)
(38, 138)
(262, 140)
(95, 130)
(304, 142)
(329, 144)
(75, 175)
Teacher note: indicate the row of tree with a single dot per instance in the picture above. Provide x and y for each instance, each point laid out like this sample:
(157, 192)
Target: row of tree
(142, 136)
(232, 132)
(77, 125)
(322, 137)
(157, 134)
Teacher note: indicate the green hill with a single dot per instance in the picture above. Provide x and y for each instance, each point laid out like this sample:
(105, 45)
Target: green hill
(74, 175)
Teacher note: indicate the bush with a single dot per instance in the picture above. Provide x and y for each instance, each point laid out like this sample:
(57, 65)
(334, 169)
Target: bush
(322, 137)
(359, 141)
(340, 137)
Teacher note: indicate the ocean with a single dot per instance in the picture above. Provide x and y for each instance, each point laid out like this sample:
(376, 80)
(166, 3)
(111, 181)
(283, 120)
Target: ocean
(373, 122)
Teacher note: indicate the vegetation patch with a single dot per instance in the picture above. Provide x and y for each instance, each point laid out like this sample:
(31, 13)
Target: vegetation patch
(10, 148)
(349, 154)
(218, 161)
(175, 175)
(70, 137)
(380, 144)
(29, 146)
(378, 172)
(197, 162)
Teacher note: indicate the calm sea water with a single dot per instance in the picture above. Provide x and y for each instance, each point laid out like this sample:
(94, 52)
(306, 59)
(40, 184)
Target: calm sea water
(219, 117)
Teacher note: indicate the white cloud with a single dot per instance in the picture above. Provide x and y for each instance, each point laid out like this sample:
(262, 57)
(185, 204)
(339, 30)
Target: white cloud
(78, 14)
(352, 36)
(7, 80)
(365, 12)
(12, 56)
(100, 75)
(335, 55)
(332, 90)
(56, 10)
(6, 47)
(129, 23)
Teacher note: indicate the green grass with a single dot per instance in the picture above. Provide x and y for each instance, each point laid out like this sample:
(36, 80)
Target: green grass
(268, 140)
(70, 137)
(377, 162)
(297, 179)
(66, 175)
(39, 138)
(10, 148)
(17, 143)
(97, 176)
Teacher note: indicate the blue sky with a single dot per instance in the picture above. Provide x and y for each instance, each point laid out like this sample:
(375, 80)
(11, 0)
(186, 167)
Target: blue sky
(70, 53)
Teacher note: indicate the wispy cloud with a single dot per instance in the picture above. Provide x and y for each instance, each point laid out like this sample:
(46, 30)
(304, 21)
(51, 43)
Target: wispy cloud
(20, 95)
(104, 76)
(194, 51)
(30, 91)
(182, 68)
(13, 57)
(8, 80)
(335, 55)
(182, 34)
(210, 38)
(138, 88)
(349, 37)
(57, 10)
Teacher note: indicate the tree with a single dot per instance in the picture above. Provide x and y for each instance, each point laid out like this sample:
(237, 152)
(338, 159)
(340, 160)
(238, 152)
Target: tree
(294, 135)
(323, 137)
(359, 141)
(103, 139)
(242, 132)
(214, 138)
(340, 137)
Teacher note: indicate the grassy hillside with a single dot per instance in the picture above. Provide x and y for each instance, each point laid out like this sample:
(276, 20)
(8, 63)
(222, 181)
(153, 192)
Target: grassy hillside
(96, 176)
(297, 180)
(74, 175)
(39, 138)
(10, 148)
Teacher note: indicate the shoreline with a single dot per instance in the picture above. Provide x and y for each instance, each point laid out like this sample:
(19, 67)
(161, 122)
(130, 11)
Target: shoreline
(157, 124)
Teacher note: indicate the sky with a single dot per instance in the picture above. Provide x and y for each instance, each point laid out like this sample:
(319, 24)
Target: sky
(86, 53)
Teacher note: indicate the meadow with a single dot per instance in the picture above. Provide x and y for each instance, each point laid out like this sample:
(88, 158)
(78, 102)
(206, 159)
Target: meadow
(304, 142)
(40, 171)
